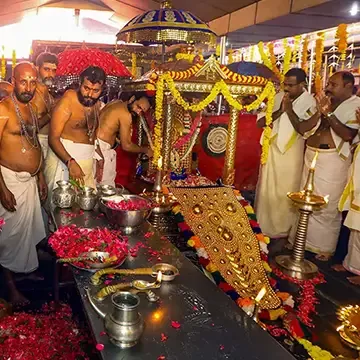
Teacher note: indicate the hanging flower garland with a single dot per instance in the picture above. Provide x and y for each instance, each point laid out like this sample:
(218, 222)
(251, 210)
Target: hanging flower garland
(295, 51)
(133, 65)
(273, 59)
(13, 58)
(219, 88)
(264, 58)
(287, 59)
(304, 54)
(319, 49)
(3, 64)
(159, 99)
(342, 36)
(252, 53)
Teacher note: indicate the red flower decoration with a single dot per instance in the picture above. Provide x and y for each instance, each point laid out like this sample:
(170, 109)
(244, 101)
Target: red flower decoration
(163, 337)
(100, 347)
(73, 62)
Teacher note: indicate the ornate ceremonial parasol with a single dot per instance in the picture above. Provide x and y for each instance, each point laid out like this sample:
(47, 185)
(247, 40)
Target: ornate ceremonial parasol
(73, 62)
(166, 26)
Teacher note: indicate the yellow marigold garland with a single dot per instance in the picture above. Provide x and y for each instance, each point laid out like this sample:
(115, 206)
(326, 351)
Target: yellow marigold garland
(314, 351)
(267, 130)
(3, 64)
(274, 68)
(295, 51)
(304, 54)
(264, 58)
(230, 56)
(157, 141)
(252, 52)
(133, 65)
(287, 59)
(219, 88)
(187, 57)
(13, 58)
(319, 49)
(342, 35)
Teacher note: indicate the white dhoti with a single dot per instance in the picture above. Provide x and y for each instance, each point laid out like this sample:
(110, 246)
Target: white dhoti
(55, 170)
(350, 201)
(24, 228)
(330, 179)
(109, 155)
(44, 143)
(280, 174)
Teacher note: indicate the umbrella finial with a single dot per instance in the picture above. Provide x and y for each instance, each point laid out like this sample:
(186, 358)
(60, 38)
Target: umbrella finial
(166, 4)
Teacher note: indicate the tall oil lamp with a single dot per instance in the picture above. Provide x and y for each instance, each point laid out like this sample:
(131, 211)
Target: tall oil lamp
(307, 202)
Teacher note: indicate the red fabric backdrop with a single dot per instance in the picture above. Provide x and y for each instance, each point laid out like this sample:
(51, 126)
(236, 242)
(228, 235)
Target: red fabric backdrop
(248, 152)
(247, 160)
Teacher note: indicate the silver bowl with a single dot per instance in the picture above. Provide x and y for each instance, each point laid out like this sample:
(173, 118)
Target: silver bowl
(124, 218)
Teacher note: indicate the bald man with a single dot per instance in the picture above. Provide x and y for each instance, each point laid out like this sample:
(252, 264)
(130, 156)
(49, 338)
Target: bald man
(21, 181)
(5, 89)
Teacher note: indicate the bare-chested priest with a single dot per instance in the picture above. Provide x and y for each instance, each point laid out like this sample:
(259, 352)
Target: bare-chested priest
(21, 180)
(116, 120)
(72, 133)
(46, 64)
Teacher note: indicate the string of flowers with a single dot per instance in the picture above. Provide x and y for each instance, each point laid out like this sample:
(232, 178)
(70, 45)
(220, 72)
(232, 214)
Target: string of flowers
(319, 49)
(273, 59)
(133, 65)
(295, 51)
(287, 59)
(264, 58)
(252, 52)
(342, 36)
(230, 56)
(13, 58)
(3, 64)
(304, 54)
(159, 99)
(219, 88)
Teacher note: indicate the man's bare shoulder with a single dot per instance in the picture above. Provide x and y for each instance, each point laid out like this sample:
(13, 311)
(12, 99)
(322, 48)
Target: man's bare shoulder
(5, 108)
(115, 109)
(42, 88)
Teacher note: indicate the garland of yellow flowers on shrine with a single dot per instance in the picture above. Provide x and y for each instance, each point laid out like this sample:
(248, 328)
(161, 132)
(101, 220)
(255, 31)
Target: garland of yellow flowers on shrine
(219, 88)
(342, 36)
(304, 55)
(319, 49)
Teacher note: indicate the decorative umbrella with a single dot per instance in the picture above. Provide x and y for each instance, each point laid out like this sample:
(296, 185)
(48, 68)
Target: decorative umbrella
(73, 62)
(253, 69)
(166, 26)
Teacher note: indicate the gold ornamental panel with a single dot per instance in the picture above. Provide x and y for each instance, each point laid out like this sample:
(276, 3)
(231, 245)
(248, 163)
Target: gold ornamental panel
(221, 223)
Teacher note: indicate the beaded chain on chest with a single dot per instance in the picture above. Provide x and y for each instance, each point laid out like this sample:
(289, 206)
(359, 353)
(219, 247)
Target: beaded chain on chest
(91, 130)
(48, 103)
(29, 135)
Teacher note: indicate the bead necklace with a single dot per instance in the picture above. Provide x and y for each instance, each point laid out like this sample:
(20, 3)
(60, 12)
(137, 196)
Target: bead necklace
(24, 133)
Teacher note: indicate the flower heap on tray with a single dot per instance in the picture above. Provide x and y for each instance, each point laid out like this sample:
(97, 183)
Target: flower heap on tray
(73, 242)
(129, 205)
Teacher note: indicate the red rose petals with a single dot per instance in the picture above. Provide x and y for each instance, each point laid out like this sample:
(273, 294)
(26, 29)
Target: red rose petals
(163, 337)
(51, 334)
(72, 241)
(100, 347)
(102, 333)
(222, 347)
(175, 324)
(129, 205)
(161, 357)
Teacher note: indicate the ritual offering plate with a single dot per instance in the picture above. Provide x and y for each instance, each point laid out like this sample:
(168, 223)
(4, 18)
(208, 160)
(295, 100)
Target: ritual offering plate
(89, 249)
(350, 329)
(126, 211)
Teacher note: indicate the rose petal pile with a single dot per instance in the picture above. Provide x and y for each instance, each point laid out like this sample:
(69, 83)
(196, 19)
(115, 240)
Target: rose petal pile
(129, 205)
(72, 241)
(51, 334)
